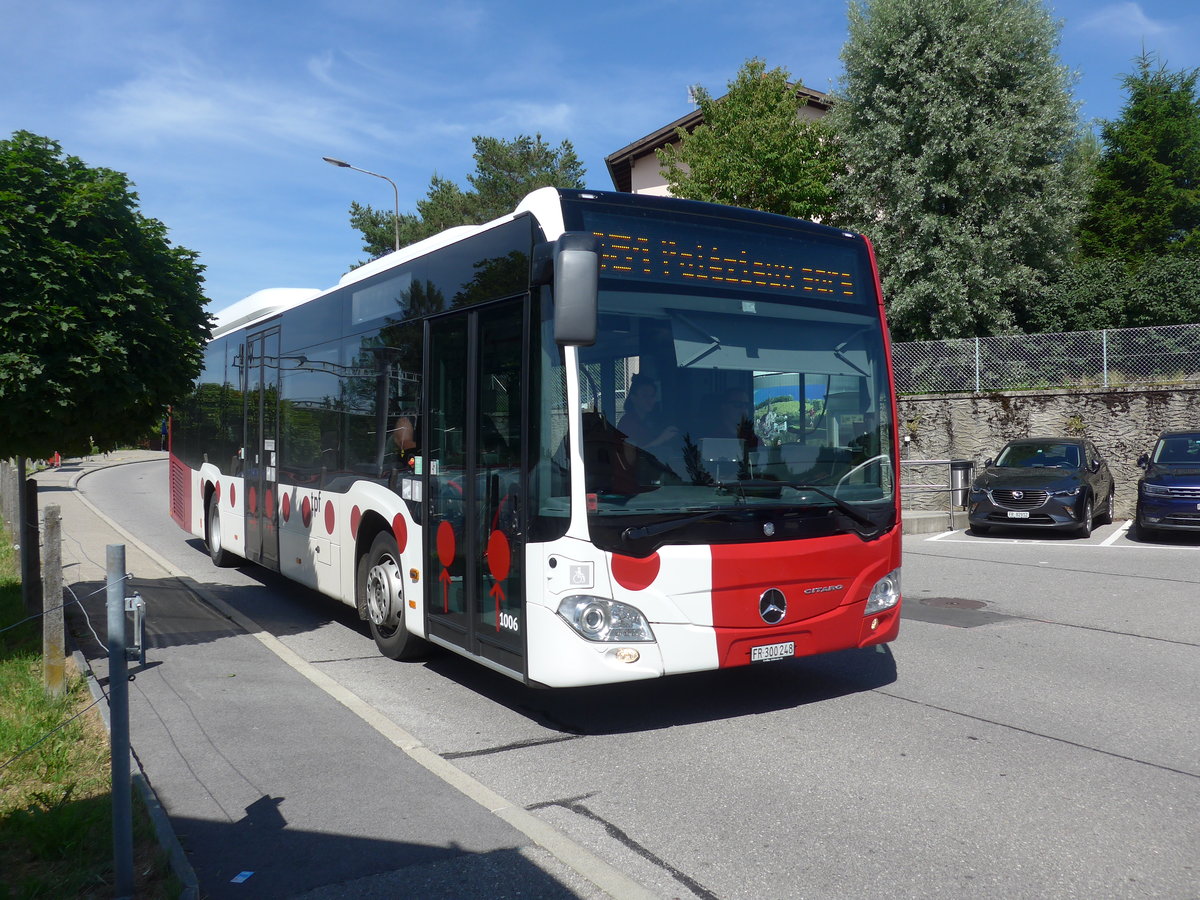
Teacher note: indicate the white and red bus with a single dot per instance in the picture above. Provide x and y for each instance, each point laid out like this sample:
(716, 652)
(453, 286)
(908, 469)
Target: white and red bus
(606, 437)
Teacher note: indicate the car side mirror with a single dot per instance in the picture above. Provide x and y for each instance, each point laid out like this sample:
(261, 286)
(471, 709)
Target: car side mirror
(988, 462)
(1143, 460)
(1094, 465)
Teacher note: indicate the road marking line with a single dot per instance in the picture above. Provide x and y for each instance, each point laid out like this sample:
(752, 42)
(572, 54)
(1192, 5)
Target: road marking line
(1108, 541)
(590, 866)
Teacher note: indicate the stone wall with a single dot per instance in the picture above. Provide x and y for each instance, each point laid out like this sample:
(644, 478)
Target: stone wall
(1123, 423)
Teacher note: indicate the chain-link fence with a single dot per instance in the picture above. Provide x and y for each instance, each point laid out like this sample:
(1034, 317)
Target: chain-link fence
(1167, 354)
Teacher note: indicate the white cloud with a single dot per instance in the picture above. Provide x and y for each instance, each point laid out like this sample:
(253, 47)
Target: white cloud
(527, 117)
(189, 103)
(1123, 20)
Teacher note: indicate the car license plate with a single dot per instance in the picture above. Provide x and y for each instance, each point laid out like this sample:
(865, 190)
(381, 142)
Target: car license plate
(1018, 515)
(770, 652)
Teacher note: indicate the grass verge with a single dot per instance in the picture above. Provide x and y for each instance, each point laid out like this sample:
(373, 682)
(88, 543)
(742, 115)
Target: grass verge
(55, 784)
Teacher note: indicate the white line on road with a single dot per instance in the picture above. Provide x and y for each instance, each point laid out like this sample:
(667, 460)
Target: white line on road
(1112, 538)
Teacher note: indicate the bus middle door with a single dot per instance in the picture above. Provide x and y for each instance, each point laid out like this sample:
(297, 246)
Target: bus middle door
(475, 592)
(262, 440)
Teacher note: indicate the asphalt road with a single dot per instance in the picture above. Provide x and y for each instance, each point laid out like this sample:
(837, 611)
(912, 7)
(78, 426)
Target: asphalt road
(1033, 733)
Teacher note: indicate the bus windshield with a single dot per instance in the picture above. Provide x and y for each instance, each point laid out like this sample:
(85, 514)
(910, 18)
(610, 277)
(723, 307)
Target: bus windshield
(733, 379)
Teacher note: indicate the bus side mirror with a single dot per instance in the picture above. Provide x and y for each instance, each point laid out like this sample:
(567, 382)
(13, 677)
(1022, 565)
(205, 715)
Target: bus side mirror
(576, 289)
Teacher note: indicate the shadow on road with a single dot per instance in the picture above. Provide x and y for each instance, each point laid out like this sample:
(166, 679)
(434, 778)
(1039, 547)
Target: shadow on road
(680, 699)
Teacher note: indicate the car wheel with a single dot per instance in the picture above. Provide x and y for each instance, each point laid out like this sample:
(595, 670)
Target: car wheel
(1085, 521)
(214, 536)
(380, 587)
(1106, 517)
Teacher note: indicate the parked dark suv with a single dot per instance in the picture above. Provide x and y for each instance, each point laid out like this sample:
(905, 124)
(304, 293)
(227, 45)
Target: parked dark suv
(1060, 483)
(1169, 491)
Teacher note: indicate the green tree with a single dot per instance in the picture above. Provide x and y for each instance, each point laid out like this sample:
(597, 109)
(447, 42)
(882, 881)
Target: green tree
(103, 321)
(958, 131)
(1146, 198)
(755, 149)
(1105, 292)
(505, 171)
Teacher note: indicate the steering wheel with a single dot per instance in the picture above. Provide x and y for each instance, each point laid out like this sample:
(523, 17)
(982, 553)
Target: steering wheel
(882, 457)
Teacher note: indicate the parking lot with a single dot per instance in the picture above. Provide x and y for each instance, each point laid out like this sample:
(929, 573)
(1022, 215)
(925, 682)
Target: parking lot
(1119, 534)
(1111, 581)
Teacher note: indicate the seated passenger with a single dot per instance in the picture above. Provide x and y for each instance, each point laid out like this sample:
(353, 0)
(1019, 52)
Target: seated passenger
(404, 439)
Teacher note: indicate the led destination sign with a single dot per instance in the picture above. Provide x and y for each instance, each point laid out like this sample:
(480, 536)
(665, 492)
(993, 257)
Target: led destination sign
(796, 266)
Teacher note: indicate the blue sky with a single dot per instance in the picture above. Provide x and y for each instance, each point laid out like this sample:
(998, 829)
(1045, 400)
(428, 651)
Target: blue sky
(220, 111)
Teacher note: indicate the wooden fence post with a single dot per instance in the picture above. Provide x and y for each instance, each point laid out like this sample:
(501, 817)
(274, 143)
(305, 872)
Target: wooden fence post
(54, 656)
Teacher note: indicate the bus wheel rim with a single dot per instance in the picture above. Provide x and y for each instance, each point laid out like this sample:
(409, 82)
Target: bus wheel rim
(383, 591)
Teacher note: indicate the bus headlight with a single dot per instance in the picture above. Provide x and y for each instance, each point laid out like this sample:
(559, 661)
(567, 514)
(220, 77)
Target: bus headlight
(603, 620)
(885, 594)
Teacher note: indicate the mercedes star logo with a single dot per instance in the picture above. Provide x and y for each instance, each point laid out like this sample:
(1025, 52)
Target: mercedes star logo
(772, 606)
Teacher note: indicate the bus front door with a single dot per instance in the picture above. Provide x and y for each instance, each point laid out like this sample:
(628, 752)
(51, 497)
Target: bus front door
(260, 495)
(475, 587)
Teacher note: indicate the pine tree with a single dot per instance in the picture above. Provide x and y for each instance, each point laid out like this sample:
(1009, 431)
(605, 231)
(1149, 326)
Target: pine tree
(1146, 198)
(505, 171)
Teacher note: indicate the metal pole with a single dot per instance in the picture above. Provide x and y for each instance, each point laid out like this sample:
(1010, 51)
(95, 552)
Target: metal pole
(118, 704)
(54, 656)
(1104, 346)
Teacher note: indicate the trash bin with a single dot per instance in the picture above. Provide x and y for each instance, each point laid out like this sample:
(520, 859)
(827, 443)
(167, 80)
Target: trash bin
(962, 473)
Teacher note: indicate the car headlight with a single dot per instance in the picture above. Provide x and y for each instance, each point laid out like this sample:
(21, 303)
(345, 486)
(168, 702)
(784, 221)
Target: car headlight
(1157, 490)
(1069, 492)
(603, 620)
(885, 594)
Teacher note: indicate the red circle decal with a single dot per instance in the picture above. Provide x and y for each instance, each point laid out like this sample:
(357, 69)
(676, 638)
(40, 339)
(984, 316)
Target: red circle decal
(269, 503)
(306, 511)
(400, 530)
(286, 503)
(635, 574)
(445, 543)
(232, 494)
(217, 491)
(252, 500)
(355, 518)
(499, 555)
(329, 518)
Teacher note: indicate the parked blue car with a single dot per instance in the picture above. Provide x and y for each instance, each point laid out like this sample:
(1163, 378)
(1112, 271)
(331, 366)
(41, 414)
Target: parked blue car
(1169, 491)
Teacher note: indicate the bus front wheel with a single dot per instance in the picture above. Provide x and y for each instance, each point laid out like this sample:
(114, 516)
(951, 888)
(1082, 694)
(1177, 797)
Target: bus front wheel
(380, 588)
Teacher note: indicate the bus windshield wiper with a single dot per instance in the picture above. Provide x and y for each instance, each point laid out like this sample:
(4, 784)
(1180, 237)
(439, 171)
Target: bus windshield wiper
(872, 528)
(645, 531)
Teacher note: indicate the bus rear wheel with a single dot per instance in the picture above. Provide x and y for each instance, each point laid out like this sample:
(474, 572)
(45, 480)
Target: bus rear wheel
(380, 587)
(214, 537)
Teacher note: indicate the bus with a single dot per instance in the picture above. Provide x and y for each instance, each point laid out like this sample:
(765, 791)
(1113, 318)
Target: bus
(446, 441)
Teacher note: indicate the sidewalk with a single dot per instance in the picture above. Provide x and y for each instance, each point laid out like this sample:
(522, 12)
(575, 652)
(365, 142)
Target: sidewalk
(261, 771)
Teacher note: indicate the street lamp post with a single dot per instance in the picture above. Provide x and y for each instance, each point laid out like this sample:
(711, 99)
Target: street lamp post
(396, 215)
